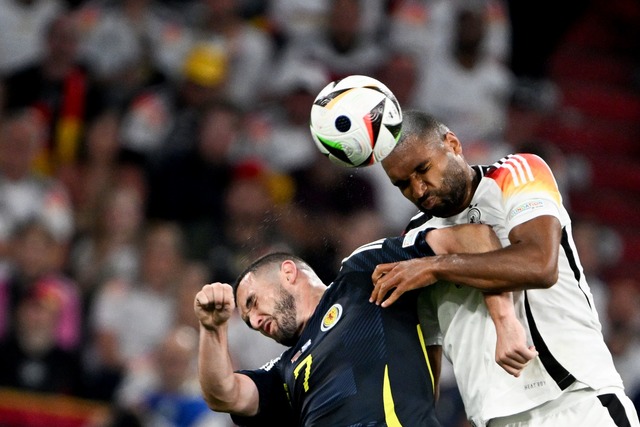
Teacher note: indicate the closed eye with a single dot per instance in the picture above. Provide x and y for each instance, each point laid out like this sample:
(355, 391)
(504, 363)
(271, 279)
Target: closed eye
(250, 303)
(423, 168)
(401, 184)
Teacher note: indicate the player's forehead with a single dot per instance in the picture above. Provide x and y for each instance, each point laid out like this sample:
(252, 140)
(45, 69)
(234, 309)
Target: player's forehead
(245, 291)
(407, 157)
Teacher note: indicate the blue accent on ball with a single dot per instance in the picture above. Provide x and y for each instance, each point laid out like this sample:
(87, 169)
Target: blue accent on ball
(343, 123)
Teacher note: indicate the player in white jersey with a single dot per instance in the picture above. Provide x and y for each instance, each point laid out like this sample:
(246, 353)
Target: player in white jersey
(573, 381)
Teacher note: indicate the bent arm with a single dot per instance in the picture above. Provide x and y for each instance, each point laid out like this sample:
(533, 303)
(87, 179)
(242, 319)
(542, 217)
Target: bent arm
(512, 353)
(222, 388)
(529, 262)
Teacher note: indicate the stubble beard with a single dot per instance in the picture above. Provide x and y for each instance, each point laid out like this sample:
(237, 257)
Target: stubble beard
(451, 193)
(285, 316)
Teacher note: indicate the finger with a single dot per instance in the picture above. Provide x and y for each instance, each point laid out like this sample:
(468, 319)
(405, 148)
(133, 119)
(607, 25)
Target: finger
(374, 293)
(513, 363)
(392, 298)
(528, 354)
(381, 270)
(516, 357)
(377, 287)
(381, 290)
(201, 299)
(510, 369)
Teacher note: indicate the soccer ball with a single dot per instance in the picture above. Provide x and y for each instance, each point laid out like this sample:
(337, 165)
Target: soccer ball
(355, 121)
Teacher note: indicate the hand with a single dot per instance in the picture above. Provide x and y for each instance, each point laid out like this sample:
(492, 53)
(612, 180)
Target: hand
(512, 352)
(400, 277)
(214, 305)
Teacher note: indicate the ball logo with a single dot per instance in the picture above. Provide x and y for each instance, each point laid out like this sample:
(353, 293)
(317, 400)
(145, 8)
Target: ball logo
(331, 317)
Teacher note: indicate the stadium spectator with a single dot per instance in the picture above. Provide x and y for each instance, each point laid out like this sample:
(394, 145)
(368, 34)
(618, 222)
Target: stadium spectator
(165, 392)
(103, 164)
(464, 86)
(325, 195)
(36, 258)
(342, 46)
(278, 130)
(23, 193)
(109, 250)
(129, 45)
(248, 48)
(520, 199)
(30, 356)
(249, 225)
(338, 369)
(189, 187)
(65, 94)
(294, 20)
(24, 24)
(128, 319)
(163, 120)
(420, 26)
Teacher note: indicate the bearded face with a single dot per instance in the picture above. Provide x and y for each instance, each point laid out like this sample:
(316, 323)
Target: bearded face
(284, 316)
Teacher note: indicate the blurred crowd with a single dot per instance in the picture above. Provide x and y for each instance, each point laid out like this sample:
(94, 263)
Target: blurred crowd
(150, 147)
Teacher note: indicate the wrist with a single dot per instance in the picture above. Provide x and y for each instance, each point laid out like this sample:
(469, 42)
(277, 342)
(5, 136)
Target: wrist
(209, 329)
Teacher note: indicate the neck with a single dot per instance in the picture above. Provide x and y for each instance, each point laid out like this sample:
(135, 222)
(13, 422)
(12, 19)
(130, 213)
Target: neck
(310, 304)
(474, 181)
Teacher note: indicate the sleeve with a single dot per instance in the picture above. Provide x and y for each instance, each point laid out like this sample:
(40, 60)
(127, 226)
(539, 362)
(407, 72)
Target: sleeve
(274, 407)
(529, 189)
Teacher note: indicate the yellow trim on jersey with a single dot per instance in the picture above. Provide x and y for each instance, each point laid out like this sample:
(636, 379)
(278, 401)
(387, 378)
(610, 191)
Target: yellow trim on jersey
(426, 357)
(390, 416)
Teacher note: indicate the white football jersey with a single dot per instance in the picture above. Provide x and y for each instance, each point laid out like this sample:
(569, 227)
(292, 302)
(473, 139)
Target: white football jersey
(560, 321)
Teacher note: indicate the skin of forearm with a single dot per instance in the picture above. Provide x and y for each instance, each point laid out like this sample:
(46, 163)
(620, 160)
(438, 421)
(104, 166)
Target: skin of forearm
(215, 370)
(499, 305)
(498, 271)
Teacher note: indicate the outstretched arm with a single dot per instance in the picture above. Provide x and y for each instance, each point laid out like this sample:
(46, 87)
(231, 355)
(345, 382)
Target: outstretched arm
(222, 389)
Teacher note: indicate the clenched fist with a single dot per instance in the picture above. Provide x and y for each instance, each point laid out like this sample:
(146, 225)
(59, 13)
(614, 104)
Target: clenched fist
(214, 305)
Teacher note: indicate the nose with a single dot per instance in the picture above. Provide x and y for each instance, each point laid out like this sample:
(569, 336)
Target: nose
(418, 187)
(255, 320)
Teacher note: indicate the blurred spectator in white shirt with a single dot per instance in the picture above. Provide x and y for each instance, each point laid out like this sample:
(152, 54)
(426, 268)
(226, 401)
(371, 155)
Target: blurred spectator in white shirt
(130, 44)
(249, 48)
(128, 319)
(467, 88)
(342, 45)
(23, 24)
(23, 193)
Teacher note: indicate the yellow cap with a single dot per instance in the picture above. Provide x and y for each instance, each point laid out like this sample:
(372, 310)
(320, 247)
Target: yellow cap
(205, 65)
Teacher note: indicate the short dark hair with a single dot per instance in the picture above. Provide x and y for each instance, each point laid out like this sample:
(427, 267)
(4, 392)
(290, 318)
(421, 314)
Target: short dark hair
(268, 259)
(417, 123)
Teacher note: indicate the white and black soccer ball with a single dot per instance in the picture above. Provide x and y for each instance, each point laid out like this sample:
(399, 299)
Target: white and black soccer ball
(356, 121)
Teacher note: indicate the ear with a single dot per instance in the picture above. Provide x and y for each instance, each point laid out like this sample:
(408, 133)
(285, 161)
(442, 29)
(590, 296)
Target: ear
(289, 271)
(452, 141)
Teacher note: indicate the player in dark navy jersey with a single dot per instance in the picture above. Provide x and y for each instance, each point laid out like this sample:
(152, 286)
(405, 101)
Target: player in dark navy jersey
(350, 362)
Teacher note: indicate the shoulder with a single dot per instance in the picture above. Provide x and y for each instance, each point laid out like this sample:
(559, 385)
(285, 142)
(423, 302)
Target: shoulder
(519, 169)
(417, 221)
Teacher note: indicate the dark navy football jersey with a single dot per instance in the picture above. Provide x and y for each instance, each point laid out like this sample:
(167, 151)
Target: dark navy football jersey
(355, 364)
